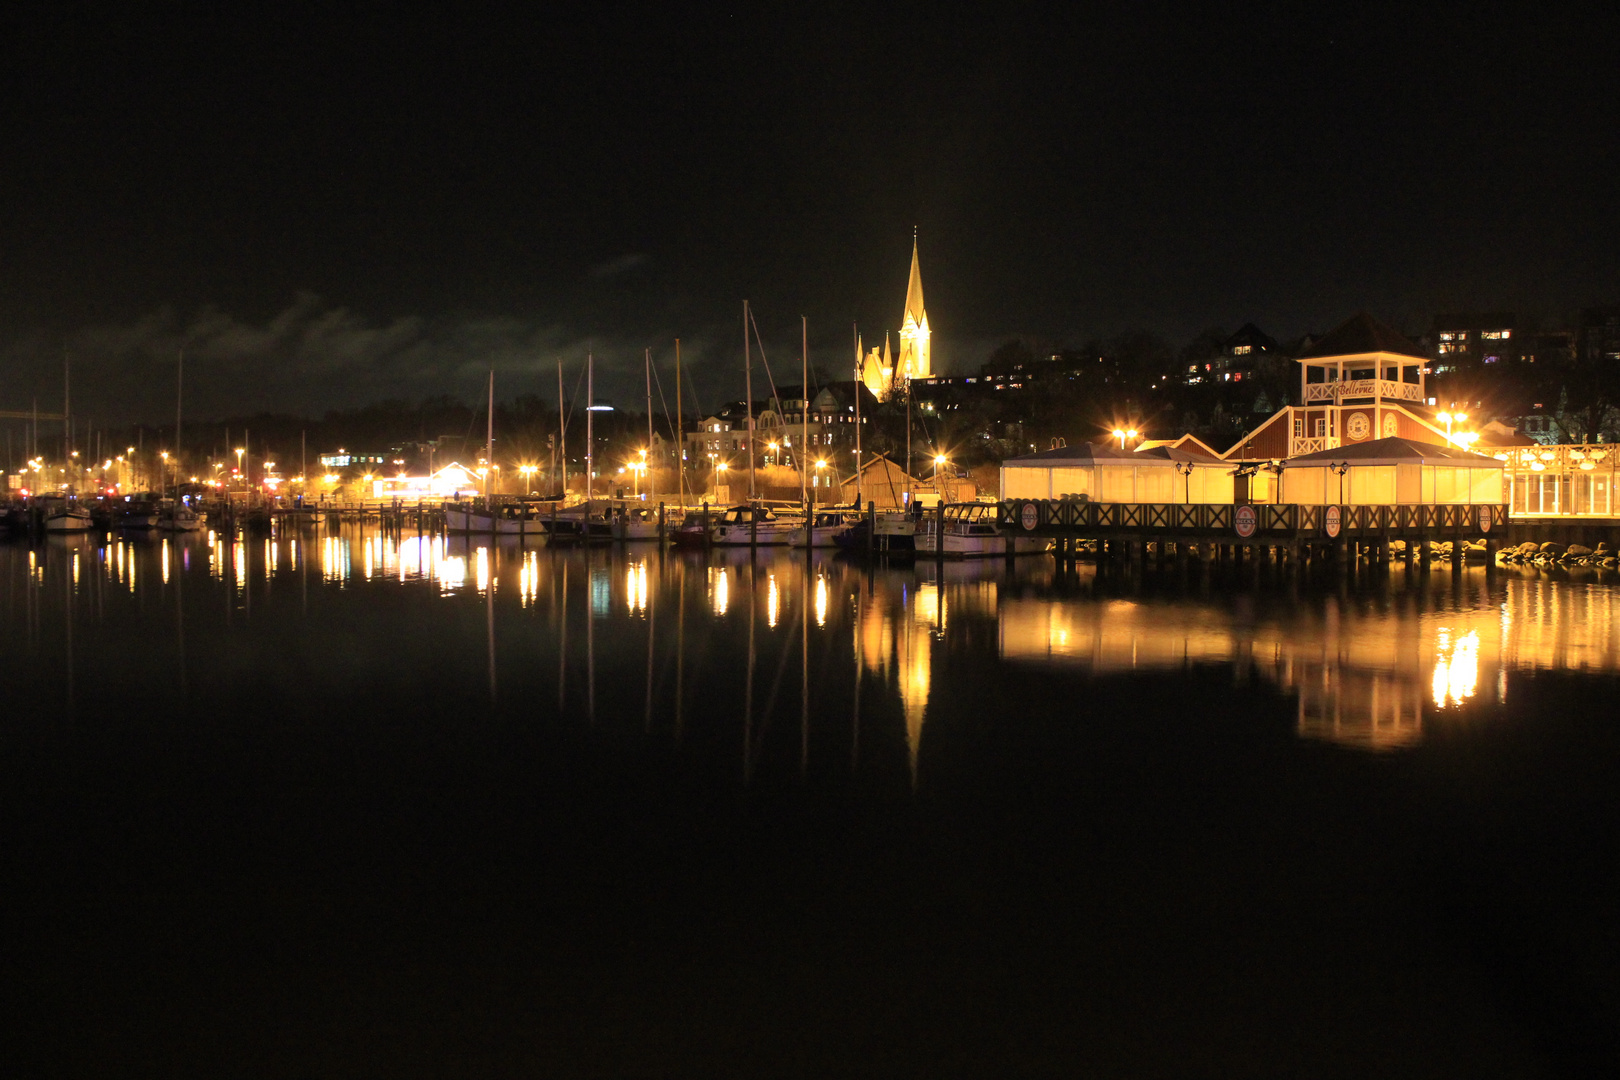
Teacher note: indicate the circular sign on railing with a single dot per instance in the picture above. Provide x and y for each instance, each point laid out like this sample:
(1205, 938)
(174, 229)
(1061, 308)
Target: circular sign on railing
(1029, 516)
(1484, 519)
(1244, 521)
(1331, 522)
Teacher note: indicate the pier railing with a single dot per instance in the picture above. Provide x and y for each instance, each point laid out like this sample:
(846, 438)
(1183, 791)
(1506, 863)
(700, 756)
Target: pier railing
(1070, 517)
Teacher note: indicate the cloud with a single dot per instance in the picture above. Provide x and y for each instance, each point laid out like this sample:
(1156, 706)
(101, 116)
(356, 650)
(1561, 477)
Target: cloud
(306, 358)
(622, 265)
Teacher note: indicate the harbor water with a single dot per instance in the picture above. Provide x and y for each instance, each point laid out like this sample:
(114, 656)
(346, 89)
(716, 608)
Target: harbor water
(350, 801)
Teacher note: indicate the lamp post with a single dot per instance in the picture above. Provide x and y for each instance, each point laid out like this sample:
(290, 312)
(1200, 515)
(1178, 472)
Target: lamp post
(1339, 468)
(1125, 433)
(1185, 468)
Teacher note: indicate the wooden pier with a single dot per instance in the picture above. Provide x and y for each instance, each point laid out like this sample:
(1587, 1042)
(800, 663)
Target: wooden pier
(1264, 531)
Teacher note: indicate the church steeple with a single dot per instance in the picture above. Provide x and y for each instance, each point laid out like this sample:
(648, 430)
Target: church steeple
(914, 312)
(916, 359)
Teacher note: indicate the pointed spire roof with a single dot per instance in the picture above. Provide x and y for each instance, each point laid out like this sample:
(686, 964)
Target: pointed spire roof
(914, 293)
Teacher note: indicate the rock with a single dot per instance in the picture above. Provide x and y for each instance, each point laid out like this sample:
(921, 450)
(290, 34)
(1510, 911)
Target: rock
(1577, 551)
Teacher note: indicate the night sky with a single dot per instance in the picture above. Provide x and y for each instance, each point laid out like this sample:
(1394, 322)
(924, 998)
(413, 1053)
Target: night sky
(329, 209)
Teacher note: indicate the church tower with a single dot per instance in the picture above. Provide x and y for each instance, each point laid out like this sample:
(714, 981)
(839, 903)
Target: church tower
(916, 359)
(884, 373)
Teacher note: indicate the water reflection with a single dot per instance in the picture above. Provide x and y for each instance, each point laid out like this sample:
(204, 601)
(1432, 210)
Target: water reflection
(1373, 670)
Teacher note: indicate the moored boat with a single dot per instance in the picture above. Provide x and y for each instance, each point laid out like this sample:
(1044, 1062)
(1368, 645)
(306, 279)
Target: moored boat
(750, 525)
(823, 528)
(965, 530)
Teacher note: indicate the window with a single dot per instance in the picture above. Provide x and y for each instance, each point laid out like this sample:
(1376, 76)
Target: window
(1321, 427)
(1299, 427)
(1242, 350)
(1445, 337)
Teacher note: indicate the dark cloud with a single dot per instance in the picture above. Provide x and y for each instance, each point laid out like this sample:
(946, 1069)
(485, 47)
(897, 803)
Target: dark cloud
(622, 265)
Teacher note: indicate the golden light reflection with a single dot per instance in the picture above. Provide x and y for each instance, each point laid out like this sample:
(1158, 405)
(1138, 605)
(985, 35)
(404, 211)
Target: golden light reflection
(481, 572)
(773, 602)
(635, 587)
(821, 600)
(239, 564)
(529, 578)
(452, 570)
(1361, 677)
(719, 589)
(1456, 667)
(165, 561)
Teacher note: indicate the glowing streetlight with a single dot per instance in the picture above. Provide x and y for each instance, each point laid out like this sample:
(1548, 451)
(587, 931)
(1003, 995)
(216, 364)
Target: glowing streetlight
(1125, 433)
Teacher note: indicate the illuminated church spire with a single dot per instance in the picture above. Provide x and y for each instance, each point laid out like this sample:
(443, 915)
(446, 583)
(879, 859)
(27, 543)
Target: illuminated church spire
(916, 357)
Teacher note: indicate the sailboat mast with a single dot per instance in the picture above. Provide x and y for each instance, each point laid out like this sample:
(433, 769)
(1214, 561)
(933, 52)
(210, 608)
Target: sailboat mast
(680, 431)
(748, 388)
(179, 400)
(562, 433)
(590, 427)
(489, 436)
(804, 411)
(855, 331)
(646, 456)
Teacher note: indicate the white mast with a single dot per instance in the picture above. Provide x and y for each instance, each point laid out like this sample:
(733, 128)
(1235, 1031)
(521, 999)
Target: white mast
(804, 413)
(590, 427)
(489, 436)
(859, 503)
(179, 399)
(680, 428)
(648, 454)
(562, 433)
(748, 387)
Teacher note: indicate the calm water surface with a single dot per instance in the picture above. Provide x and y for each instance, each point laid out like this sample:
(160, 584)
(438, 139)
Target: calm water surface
(352, 803)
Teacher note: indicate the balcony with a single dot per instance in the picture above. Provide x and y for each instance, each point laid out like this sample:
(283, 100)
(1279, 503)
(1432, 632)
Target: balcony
(1299, 444)
(1388, 389)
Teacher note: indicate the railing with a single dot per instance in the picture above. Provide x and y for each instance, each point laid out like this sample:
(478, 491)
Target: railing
(1286, 520)
(1299, 444)
(1359, 388)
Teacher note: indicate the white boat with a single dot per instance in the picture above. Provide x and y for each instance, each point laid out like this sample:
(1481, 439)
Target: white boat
(501, 519)
(634, 523)
(64, 516)
(968, 530)
(746, 525)
(822, 530)
(178, 517)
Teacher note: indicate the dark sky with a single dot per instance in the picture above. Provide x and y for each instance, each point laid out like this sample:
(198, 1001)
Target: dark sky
(327, 209)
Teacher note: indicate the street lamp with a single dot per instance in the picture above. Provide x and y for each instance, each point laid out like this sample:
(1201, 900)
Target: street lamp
(1339, 468)
(1122, 434)
(1185, 468)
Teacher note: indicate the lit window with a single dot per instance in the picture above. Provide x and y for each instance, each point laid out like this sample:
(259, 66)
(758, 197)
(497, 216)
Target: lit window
(1241, 350)
(1445, 337)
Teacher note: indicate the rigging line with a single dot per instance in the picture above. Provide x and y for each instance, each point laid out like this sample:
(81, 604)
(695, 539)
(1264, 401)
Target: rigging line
(774, 396)
(662, 400)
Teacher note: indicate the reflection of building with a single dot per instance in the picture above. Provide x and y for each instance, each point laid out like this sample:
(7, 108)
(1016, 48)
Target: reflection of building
(895, 636)
(884, 374)
(1361, 680)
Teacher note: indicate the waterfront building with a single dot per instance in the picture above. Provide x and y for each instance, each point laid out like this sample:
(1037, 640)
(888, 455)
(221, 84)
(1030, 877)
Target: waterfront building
(1183, 471)
(1360, 381)
(1392, 472)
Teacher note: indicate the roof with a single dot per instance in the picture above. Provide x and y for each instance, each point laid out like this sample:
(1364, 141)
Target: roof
(1084, 454)
(1357, 335)
(1189, 442)
(1397, 451)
